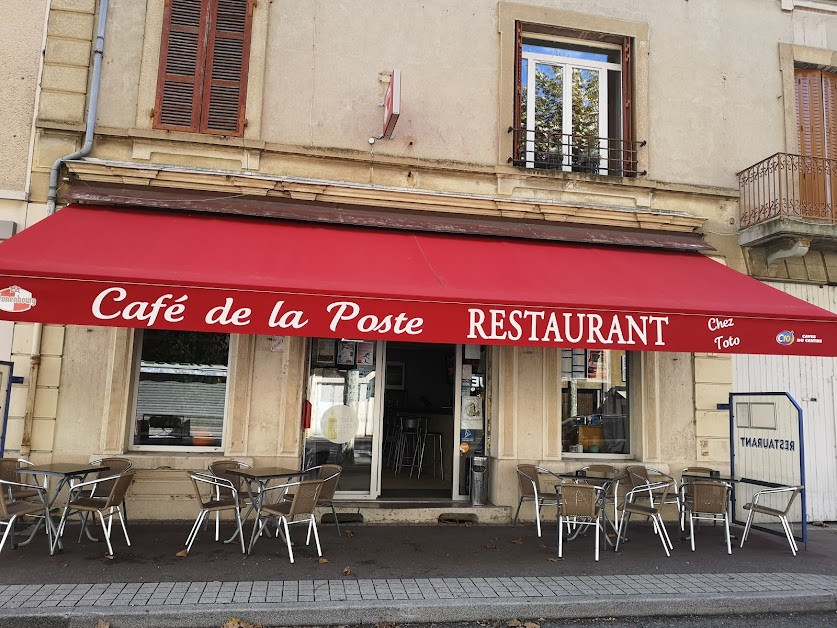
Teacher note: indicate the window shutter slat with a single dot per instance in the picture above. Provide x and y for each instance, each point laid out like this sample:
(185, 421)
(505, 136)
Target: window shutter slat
(518, 89)
(829, 92)
(225, 82)
(182, 53)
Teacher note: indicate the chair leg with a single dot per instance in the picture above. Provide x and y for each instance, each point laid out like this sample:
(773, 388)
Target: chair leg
(662, 532)
(106, 530)
(789, 534)
(336, 520)
(239, 528)
(517, 514)
(538, 516)
(124, 529)
(313, 525)
(622, 524)
(9, 526)
(747, 528)
(597, 519)
(726, 532)
(194, 531)
(692, 529)
(560, 538)
(288, 539)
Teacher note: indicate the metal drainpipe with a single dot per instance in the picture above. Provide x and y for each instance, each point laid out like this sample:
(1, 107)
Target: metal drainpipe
(52, 197)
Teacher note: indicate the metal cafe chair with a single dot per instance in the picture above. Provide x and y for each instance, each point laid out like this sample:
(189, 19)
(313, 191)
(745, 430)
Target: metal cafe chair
(212, 503)
(303, 504)
(607, 476)
(102, 505)
(649, 509)
(755, 507)
(528, 482)
(14, 487)
(115, 467)
(330, 475)
(640, 475)
(582, 503)
(709, 501)
(219, 468)
(686, 489)
(12, 509)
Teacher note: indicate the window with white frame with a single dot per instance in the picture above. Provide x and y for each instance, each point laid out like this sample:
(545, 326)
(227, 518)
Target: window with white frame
(181, 390)
(573, 102)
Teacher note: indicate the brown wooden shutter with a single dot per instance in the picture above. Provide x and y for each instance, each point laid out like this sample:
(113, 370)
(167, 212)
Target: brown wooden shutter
(517, 149)
(809, 112)
(829, 105)
(182, 52)
(629, 156)
(225, 80)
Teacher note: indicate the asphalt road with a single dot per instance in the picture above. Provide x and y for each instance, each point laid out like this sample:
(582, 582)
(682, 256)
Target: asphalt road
(791, 620)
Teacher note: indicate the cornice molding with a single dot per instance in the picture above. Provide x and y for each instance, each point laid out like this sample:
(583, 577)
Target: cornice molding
(304, 189)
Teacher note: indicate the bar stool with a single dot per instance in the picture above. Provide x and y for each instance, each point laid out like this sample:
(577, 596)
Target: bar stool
(435, 439)
(410, 442)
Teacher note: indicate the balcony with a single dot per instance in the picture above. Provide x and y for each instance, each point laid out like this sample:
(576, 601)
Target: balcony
(546, 150)
(787, 205)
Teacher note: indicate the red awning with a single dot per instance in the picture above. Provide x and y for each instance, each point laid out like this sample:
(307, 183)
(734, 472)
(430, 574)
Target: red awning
(209, 272)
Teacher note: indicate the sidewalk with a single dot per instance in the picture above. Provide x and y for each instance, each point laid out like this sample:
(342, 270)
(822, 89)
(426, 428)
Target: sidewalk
(402, 573)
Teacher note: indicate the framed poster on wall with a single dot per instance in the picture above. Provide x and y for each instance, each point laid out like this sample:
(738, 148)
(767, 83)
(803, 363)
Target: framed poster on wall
(324, 355)
(345, 353)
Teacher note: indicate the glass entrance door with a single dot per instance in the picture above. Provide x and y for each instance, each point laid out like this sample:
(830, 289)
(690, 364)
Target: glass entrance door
(342, 416)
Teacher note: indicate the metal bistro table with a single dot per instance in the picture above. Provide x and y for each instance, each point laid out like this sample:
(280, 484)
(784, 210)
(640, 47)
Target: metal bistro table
(257, 480)
(605, 482)
(65, 472)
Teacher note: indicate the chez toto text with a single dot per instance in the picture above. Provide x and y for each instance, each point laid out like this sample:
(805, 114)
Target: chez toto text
(113, 303)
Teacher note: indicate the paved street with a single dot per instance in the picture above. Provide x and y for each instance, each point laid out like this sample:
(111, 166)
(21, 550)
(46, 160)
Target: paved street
(412, 574)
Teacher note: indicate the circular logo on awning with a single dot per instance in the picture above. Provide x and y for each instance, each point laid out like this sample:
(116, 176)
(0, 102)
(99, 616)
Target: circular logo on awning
(784, 338)
(16, 299)
(339, 424)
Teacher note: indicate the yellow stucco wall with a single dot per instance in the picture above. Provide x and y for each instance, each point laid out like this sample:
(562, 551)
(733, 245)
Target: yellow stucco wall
(710, 99)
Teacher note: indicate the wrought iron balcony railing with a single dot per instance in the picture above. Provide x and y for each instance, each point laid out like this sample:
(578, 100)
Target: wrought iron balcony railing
(788, 186)
(569, 152)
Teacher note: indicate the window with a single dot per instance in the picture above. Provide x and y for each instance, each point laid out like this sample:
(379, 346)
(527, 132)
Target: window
(181, 390)
(204, 54)
(594, 402)
(573, 102)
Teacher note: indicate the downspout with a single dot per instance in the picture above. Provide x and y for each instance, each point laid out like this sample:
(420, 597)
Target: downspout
(52, 197)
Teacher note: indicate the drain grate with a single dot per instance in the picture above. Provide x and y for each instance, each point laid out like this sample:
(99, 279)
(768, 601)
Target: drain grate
(344, 517)
(458, 517)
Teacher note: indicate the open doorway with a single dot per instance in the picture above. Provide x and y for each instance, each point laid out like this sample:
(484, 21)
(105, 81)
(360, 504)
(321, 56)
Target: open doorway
(418, 421)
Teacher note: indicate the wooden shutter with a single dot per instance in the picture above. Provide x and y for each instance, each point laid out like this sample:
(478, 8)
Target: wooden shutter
(829, 105)
(182, 53)
(629, 156)
(225, 80)
(809, 113)
(517, 150)
(813, 184)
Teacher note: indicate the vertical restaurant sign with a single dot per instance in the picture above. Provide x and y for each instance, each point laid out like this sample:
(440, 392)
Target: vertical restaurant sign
(271, 313)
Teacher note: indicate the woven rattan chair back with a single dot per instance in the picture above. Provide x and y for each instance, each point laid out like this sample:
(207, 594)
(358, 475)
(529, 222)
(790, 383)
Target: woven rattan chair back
(115, 466)
(330, 475)
(527, 480)
(220, 469)
(578, 500)
(709, 497)
(119, 489)
(637, 475)
(305, 498)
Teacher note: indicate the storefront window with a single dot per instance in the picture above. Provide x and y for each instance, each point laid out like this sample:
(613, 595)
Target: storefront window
(339, 420)
(181, 389)
(594, 401)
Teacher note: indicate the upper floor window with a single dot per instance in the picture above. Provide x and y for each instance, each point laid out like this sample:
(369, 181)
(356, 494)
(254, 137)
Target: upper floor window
(204, 53)
(573, 103)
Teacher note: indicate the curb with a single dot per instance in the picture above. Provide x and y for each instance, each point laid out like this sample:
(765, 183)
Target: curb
(343, 613)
